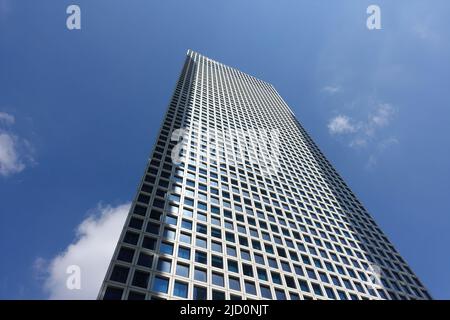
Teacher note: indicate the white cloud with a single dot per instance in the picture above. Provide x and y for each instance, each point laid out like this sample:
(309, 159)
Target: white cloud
(331, 89)
(341, 124)
(7, 118)
(366, 133)
(10, 161)
(362, 131)
(382, 115)
(15, 152)
(92, 249)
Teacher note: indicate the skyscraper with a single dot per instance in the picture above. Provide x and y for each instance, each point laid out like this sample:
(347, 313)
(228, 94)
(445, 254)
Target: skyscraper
(237, 202)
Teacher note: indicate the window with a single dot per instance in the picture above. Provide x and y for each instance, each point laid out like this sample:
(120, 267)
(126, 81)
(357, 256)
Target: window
(215, 246)
(149, 243)
(136, 223)
(186, 238)
(200, 275)
(311, 274)
(140, 279)
(140, 210)
(201, 242)
(232, 266)
(250, 287)
(187, 213)
(202, 206)
(231, 251)
(180, 289)
(317, 289)
(173, 208)
(342, 295)
(265, 292)
(125, 254)
(218, 295)
(200, 257)
(158, 203)
(201, 228)
(215, 221)
(259, 259)
(166, 248)
(303, 285)
(170, 220)
(186, 224)
(217, 262)
(189, 202)
(201, 217)
(174, 197)
(299, 270)
(229, 237)
(184, 253)
(200, 293)
(119, 274)
(280, 294)
(113, 294)
(155, 214)
(133, 295)
(131, 237)
(169, 234)
(245, 255)
(160, 284)
(164, 265)
(143, 198)
(273, 263)
(330, 293)
(217, 279)
(276, 278)
(247, 270)
(290, 282)
(234, 283)
(285, 266)
(348, 284)
(294, 296)
(262, 274)
(154, 227)
(145, 260)
(216, 233)
(182, 270)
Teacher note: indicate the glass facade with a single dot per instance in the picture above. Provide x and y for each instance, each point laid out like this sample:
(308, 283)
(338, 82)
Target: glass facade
(274, 222)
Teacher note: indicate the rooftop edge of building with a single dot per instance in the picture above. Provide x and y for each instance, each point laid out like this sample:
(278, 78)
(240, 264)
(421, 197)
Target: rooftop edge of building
(191, 52)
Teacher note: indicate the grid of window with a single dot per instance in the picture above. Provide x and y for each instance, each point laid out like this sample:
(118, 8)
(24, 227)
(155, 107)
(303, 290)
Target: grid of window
(216, 227)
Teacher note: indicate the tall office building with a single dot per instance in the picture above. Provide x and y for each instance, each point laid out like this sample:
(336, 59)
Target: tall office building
(239, 203)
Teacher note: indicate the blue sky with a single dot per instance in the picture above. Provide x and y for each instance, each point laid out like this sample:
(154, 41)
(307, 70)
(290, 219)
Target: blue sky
(79, 111)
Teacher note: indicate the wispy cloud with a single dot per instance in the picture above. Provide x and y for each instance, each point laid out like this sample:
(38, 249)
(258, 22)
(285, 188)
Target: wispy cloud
(341, 125)
(382, 115)
(331, 89)
(92, 249)
(10, 161)
(378, 119)
(359, 132)
(380, 148)
(7, 118)
(15, 152)
(364, 133)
